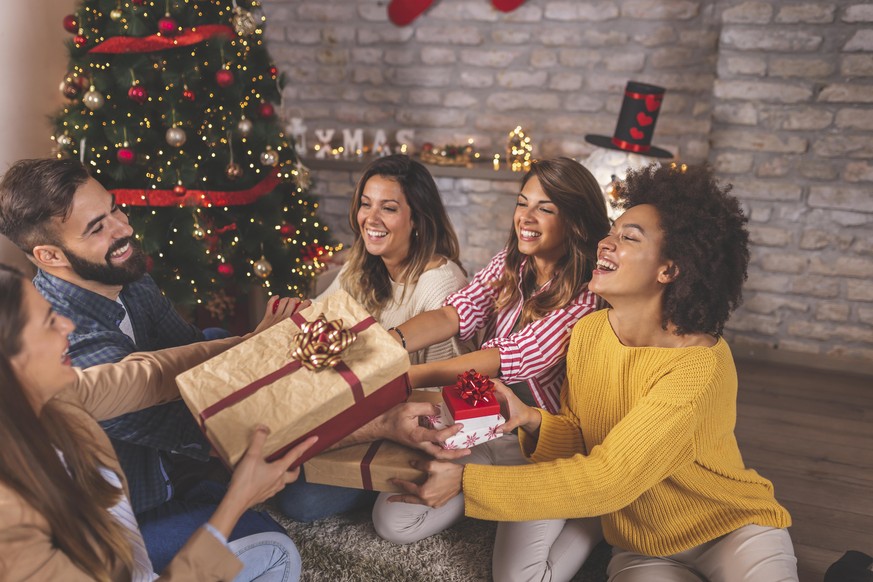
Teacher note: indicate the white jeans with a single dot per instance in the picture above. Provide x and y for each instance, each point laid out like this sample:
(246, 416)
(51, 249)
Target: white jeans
(750, 553)
(267, 557)
(541, 551)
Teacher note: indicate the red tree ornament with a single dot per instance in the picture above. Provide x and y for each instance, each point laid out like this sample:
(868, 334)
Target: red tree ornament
(225, 270)
(266, 110)
(188, 95)
(125, 156)
(138, 94)
(224, 78)
(274, 71)
(137, 2)
(179, 190)
(287, 230)
(71, 23)
(79, 40)
(168, 26)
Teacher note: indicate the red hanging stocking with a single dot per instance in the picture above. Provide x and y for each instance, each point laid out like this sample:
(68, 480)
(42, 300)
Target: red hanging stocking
(507, 5)
(403, 12)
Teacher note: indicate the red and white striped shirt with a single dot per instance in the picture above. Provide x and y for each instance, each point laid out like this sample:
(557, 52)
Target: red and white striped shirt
(536, 353)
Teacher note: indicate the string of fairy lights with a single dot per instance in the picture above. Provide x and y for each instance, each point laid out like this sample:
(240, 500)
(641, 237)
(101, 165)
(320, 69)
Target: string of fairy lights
(171, 106)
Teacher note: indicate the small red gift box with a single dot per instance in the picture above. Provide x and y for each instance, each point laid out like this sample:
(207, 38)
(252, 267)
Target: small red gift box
(471, 397)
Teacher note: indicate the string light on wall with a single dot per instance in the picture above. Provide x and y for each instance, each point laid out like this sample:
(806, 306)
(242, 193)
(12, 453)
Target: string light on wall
(518, 150)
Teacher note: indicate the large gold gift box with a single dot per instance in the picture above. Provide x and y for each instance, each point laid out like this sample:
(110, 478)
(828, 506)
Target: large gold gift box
(370, 465)
(260, 382)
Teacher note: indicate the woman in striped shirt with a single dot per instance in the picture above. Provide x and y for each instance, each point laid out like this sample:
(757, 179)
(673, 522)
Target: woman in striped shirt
(525, 303)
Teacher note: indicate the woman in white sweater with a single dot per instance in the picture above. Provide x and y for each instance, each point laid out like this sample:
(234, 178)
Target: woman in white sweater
(403, 261)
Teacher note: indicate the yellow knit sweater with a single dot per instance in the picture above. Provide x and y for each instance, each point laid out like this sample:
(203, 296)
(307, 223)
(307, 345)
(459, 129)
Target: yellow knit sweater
(662, 466)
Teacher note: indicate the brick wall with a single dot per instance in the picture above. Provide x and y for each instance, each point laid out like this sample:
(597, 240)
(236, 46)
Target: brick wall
(792, 119)
(778, 95)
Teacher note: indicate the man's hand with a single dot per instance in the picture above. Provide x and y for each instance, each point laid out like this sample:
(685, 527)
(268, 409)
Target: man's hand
(279, 308)
(444, 481)
(401, 424)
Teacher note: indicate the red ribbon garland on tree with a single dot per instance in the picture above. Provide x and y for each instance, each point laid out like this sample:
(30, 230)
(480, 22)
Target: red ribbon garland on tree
(475, 388)
(155, 42)
(143, 197)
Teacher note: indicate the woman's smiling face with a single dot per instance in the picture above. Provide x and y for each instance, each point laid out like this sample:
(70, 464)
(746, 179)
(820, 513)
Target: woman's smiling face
(385, 219)
(538, 224)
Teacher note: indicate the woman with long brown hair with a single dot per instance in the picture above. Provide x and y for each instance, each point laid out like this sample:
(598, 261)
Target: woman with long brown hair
(64, 506)
(403, 261)
(525, 301)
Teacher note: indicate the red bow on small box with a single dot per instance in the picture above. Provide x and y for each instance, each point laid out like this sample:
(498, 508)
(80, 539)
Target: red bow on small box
(475, 388)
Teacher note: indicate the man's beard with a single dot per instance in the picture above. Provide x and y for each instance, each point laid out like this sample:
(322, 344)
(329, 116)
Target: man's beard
(106, 273)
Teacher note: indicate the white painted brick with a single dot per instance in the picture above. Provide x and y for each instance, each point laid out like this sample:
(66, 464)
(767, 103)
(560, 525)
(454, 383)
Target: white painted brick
(372, 12)
(796, 118)
(489, 58)
(657, 36)
(376, 35)
(818, 170)
(515, 101)
(842, 198)
(733, 163)
(581, 11)
(858, 172)
(855, 118)
(425, 97)
(847, 93)
(463, 11)
(476, 78)
(770, 40)
(565, 81)
(454, 35)
(791, 345)
(769, 236)
(660, 9)
(832, 312)
(460, 99)
(432, 117)
(859, 291)
(543, 58)
(816, 239)
(334, 35)
(760, 213)
(861, 12)
(764, 324)
(736, 113)
(527, 13)
(510, 37)
(814, 286)
(758, 141)
(583, 102)
(422, 77)
(353, 114)
(856, 65)
(845, 218)
(743, 65)
(432, 55)
(842, 266)
(332, 56)
(801, 67)
(865, 315)
(367, 56)
(862, 40)
(368, 75)
(579, 57)
(852, 146)
(383, 96)
(767, 190)
(784, 263)
(761, 91)
(761, 281)
(774, 168)
(767, 303)
(748, 13)
(627, 62)
(818, 13)
(324, 12)
(519, 79)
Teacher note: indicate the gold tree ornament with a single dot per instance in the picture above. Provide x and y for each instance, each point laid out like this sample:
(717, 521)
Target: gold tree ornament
(243, 22)
(262, 267)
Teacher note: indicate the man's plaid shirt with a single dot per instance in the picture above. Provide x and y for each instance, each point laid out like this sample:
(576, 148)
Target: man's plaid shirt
(140, 438)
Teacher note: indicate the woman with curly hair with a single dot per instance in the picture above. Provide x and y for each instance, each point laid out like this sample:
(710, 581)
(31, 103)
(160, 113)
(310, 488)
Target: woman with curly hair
(645, 435)
(524, 303)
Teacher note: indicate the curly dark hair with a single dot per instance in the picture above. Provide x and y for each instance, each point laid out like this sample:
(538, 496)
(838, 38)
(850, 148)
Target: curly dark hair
(704, 235)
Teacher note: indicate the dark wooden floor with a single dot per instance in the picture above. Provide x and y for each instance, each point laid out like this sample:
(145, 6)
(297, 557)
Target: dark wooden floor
(811, 433)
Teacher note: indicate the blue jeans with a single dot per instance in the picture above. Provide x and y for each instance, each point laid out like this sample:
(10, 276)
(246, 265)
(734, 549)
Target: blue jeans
(168, 526)
(305, 502)
(267, 557)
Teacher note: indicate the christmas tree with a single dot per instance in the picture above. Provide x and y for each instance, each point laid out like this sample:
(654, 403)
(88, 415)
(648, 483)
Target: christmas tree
(172, 104)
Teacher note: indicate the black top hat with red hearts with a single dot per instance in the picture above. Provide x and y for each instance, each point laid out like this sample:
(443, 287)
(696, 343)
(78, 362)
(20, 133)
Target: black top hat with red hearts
(636, 122)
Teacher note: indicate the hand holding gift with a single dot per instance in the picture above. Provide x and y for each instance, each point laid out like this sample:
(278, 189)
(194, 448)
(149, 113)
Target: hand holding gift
(471, 402)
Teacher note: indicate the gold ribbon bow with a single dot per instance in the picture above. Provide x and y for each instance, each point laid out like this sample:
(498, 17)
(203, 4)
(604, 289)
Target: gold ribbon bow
(320, 343)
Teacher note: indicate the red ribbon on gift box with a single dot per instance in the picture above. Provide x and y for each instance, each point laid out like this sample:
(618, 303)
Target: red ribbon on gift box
(341, 368)
(471, 397)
